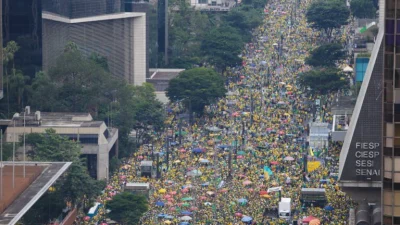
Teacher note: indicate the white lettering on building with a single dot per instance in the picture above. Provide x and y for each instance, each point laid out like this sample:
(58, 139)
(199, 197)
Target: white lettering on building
(366, 155)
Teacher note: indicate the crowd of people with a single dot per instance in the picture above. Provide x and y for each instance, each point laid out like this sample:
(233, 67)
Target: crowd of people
(250, 141)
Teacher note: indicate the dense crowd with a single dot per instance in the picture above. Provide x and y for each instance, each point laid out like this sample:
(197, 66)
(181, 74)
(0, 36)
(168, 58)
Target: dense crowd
(217, 174)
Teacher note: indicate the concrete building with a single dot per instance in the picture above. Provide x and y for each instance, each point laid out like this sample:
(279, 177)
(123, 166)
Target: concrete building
(370, 158)
(160, 79)
(213, 5)
(97, 26)
(99, 142)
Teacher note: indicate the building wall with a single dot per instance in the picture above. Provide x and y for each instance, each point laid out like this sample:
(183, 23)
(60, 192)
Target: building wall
(82, 8)
(391, 119)
(121, 41)
(1, 48)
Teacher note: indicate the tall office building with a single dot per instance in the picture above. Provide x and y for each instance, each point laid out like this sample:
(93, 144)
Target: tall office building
(391, 114)
(1, 48)
(370, 157)
(97, 26)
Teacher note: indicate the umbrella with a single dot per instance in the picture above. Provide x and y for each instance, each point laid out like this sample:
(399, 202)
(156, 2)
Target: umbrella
(247, 182)
(161, 215)
(274, 163)
(242, 200)
(328, 208)
(182, 132)
(275, 44)
(193, 208)
(168, 217)
(281, 103)
(241, 153)
(187, 199)
(160, 203)
(194, 173)
(197, 150)
(205, 184)
(263, 192)
(240, 157)
(246, 219)
(223, 146)
(183, 223)
(265, 196)
(177, 161)
(186, 218)
(167, 222)
(208, 203)
(288, 158)
(210, 192)
(186, 213)
(315, 222)
(308, 219)
(213, 129)
(162, 191)
(204, 161)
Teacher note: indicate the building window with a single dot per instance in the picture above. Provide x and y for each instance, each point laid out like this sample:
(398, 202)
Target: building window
(388, 112)
(389, 59)
(387, 220)
(203, 1)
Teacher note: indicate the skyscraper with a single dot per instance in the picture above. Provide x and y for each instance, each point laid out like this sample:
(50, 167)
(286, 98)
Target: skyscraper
(370, 157)
(1, 48)
(101, 27)
(391, 114)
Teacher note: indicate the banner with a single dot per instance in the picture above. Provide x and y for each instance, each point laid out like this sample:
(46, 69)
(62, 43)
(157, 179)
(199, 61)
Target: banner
(311, 166)
(274, 189)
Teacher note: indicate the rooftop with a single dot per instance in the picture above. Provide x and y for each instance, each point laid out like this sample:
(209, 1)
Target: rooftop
(17, 200)
(53, 119)
(161, 77)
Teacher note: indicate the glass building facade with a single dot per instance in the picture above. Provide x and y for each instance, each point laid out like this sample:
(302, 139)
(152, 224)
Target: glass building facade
(82, 8)
(391, 118)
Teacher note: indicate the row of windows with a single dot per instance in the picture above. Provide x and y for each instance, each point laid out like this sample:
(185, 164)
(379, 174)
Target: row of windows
(388, 220)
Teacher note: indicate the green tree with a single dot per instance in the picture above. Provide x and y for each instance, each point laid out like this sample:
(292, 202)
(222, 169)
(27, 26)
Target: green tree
(196, 88)
(323, 81)
(327, 15)
(76, 184)
(245, 19)
(363, 8)
(8, 61)
(187, 29)
(127, 208)
(326, 55)
(222, 47)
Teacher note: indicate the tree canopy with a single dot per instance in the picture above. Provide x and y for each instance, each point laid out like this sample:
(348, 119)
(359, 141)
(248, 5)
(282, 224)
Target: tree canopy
(326, 55)
(80, 84)
(196, 88)
(222, 46)
(76, 184)
(127, 208)
(363, 8)
(327, 15)
(323, 81)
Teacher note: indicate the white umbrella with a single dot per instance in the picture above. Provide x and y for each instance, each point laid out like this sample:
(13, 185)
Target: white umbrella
(288, 158)
(348, 69)
(275, 44)
(186, 218)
